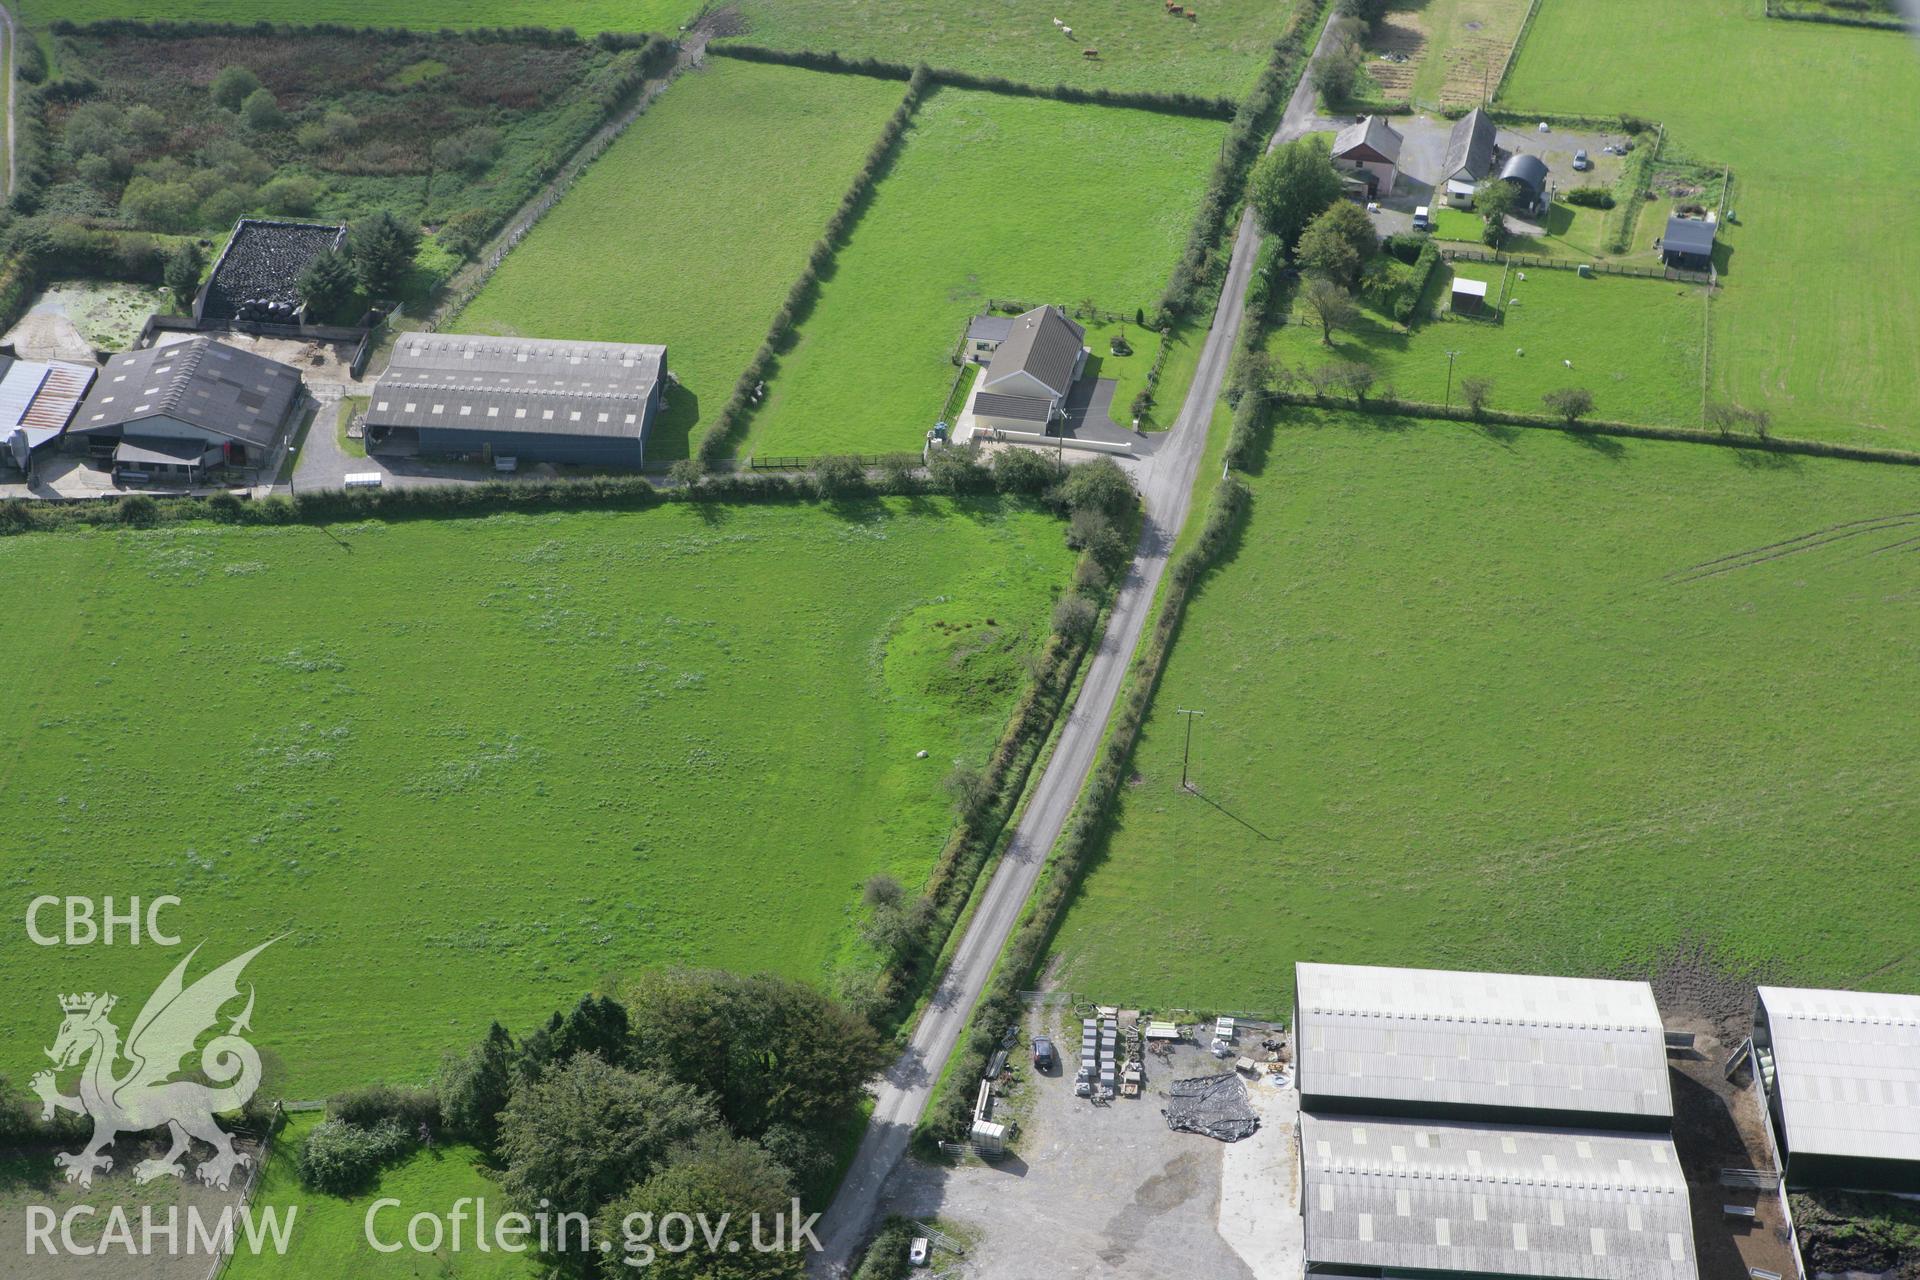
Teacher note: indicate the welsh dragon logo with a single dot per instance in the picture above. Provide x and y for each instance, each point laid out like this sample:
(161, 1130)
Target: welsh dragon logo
(145, 1096)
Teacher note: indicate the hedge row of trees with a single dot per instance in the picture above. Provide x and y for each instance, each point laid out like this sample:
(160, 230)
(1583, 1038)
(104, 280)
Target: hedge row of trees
(746, 391)
(1202, 261)
(952, 1115)
(187, 30)
(1169, 101)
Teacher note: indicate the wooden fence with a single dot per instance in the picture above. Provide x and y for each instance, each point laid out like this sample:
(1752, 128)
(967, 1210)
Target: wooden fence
(1524, 260)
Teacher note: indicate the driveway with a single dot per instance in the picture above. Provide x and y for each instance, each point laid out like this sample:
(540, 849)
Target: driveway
(1089, 409)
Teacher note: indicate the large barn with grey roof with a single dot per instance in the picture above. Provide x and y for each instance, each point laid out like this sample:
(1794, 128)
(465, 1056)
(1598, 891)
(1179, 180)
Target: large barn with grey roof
(173, 412)
(1460, 1125)
(1841, 1071)
(532, 399)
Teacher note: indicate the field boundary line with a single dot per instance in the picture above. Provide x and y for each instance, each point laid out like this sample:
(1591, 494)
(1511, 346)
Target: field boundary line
(1513, 54)
(254, 1174)
(1463, 416)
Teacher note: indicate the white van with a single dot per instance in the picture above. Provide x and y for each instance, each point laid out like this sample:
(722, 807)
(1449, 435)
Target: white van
(1422, 219)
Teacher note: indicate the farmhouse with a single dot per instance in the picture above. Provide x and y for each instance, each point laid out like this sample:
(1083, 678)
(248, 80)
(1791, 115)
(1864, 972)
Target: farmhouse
(1370, 147)
(1476, 1124)
(37, 399)
(170, 413)
(1528, 175)
(1030, 371)
(1688, 242)
(535, 399)
(1841, 1071)
(1471, 155)
(256, 277)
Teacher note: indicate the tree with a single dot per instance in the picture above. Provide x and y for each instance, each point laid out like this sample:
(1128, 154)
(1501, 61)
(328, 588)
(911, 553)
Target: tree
(838, 476)
(291, 196)
(766, 1050)
(1353, 377)
(1493, 201)
(1250, 375)
(1478, 392)
(1074, 617)
(1100, 485)
(1291, 185)
(1569, 404)
(1334, 75)
(1339, 243)
(957, 469)
(182, 274)
(474, 1087)
(719, 1179)
(586, 1131)
(261, 111)
(382, 249)
(595, 1027)
(232, 86)
(687, 471)
(164, 206)
(328, 287)
(1024, 471)
(1331, 305)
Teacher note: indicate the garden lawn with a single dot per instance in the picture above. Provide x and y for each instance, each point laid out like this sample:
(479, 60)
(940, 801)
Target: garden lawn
(329, 1236)
(692, 227)
(465, 768)
(1816, 322)
(426, 15)
(989, 197)
(1526, 701)
(1141, 48)
(1634, 343)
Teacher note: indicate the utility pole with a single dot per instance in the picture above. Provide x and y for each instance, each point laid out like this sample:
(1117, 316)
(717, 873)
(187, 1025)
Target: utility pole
(1186, 753)
(1450, 357)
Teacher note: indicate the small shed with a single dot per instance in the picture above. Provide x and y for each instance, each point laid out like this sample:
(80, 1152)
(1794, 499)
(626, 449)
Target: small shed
(1469, 296)
(1688, 242)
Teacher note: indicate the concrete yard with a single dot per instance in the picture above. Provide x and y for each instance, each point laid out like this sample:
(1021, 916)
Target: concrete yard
(1108, 1190)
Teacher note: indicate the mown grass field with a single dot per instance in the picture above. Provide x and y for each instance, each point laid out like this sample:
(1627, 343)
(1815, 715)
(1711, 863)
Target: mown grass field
(588, 16)
(329, 1232)
(1816, 322)
(1526, 701)
(692, 227)
(1141, 45)
(1635, 343)
(988, 197)
(466, 768)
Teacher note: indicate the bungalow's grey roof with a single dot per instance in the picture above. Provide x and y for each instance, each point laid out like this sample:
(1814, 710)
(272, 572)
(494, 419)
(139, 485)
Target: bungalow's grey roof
(1470, 147)
(1044, 344)
(989, 328)
(206, 384)
(1421, 1195)
(1531, 170)
(541, 385)
(1022, 408)
(1497, 1040)
(1687, 235)
(1846, 1065)
(1373, 131)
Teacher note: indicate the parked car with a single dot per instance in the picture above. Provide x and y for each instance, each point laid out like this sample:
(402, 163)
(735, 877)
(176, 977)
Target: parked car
(1423, 219)
(1042, 1053)
(1580, 162)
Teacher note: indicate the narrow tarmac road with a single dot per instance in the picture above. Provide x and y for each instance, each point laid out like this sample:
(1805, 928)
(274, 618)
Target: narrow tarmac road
(1167, 487)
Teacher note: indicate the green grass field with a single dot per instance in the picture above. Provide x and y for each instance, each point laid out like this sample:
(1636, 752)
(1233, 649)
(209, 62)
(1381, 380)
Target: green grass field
(1634, 343)
(693, 226)
(425, 15)
(1141, 47)
(469, 767)
(989, 197)
(1816, 322)
(329, 1232)
(1526, 701)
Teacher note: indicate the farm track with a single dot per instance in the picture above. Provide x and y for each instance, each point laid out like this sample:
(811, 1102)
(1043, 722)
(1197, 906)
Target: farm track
(1167, 486)
(1811, 541)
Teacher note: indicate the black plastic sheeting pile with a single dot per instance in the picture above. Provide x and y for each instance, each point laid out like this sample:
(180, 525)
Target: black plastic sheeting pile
(1216, 1106)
